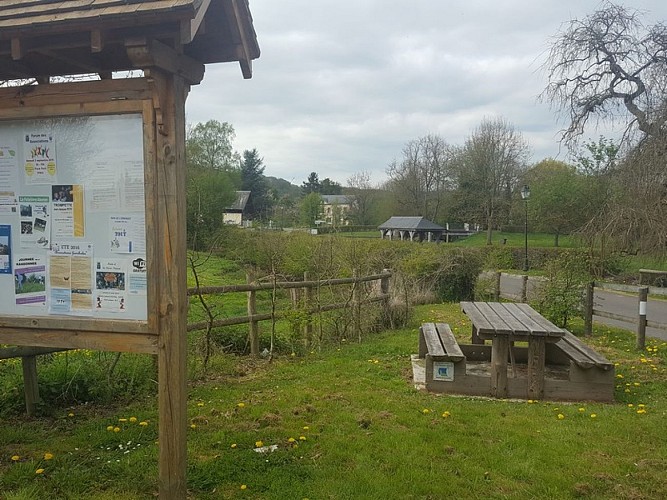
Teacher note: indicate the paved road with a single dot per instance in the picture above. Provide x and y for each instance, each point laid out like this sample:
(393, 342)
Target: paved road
(617, 303)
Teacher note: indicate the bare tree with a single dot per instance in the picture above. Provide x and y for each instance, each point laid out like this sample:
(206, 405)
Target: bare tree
(488, 169)
(609, 66)
(423, 177)
(363, 197)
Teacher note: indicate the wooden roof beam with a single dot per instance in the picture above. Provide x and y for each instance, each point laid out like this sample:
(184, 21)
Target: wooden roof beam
(233, 10)
(146, 54)
(190, 27)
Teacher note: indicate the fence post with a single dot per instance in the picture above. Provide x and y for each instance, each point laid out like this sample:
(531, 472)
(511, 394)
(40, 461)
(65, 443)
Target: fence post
(524, 288)
(356, 304)
(253, 324)
(384, 290)
(307, 307)
(496, 291)
(641, 326)
(588, 308)
(31, 388)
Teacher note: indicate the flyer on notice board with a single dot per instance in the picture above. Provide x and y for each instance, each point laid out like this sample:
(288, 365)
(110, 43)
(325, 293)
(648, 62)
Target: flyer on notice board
(39, 150)
(30, 281)
(71, 278)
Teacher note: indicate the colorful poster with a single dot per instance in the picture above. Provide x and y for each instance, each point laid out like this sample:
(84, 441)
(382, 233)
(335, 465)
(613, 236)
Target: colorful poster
(35, 221)
(110, 285)
(9, 179)
(68, 210)
(30, 281)
(40, 158)
(5, 249)
(71, 278)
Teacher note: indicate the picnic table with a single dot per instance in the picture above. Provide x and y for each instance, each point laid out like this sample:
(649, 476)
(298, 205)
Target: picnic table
(503, 324)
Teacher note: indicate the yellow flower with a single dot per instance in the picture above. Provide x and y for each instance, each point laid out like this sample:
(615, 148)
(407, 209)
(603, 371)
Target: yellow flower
(122, 420)
(234, 445)
(446, 414)
(302, 438)
(193, 426)
(109, 427)
(70, 414)
(39, 471)
(630, 405)
(259, 444)
(620, 375)
(143, 423)
(133, 419)
(425, 411)
(582, 409)
(641, 405)
(593, 415)
(116, 429)
(561, 416)
(530, 401)
(641, 412)
(291, 440)
(200, 404)
(244, 487)
(15, 458)
(241, 404)
(48, 456)
(305, 428)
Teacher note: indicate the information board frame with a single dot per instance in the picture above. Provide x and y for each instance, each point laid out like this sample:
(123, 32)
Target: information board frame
(94, 99)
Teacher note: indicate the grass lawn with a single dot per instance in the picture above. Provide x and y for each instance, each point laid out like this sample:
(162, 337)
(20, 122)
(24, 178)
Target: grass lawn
(347, 423)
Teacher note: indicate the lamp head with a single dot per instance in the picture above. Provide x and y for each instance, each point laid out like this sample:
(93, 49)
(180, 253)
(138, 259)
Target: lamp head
(525, 192)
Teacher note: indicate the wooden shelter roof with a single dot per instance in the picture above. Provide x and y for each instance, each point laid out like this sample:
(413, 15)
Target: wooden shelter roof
(44, 38)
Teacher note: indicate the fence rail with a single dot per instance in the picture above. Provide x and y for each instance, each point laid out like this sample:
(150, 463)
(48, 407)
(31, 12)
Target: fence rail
(302, 291)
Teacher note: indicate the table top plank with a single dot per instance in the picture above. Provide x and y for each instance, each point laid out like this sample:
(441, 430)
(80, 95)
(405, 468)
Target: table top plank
(491, 318)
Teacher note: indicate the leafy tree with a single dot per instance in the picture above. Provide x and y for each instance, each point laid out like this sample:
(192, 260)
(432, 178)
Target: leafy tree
(488, 169)
(311, 207)
(327, 186)
(209, 146)
(557, 198)
(422, 178)
(211, 180)
(610, 65)
(252, 179)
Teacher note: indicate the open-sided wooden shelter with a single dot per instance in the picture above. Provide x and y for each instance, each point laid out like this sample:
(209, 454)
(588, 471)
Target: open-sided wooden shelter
(139, 58)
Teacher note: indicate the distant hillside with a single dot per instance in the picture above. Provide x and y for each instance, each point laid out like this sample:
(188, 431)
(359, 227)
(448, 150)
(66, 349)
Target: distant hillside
(283, 187)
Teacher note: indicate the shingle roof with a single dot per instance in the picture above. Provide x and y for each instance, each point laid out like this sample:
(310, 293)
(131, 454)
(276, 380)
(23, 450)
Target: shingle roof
(340, 199)
(241, 201)
(411, 224)
(40, 38)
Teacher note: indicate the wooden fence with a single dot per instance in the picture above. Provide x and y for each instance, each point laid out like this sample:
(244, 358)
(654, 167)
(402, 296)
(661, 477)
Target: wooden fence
(640, 319)
(302, 291)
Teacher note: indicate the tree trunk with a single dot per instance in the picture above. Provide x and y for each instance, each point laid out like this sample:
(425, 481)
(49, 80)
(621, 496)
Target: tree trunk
(556, 240)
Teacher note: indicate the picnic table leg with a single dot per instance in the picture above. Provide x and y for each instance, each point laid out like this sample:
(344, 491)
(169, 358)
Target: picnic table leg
(499, 353)
(475, 336)
(536, 362)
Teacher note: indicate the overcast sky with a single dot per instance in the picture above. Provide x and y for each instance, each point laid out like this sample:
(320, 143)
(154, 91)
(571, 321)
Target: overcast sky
(342, 85)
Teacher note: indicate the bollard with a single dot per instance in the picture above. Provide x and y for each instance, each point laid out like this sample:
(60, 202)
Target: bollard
(641, 326)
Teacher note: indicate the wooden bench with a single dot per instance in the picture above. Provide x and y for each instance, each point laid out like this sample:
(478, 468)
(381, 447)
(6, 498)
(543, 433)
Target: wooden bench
(652, 277)
(441, 351)
(590, 375)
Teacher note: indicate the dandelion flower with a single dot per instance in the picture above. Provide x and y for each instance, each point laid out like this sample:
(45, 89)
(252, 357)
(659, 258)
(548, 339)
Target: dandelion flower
(15, 458)
(70, 414)
(641, 412)
(305, 428)
(259, 444)
(241, 404)
(244, 487)
(48, 456)
(582, 409)
(302, 438)
(620, 375)
(561, 416)
(446, 414)
(116, 429)
(133, 419)
(291, 440)
(425, 411)
(109, 427)
(39, 471)
(630, 405)
(143, 423)
(200, 404)
(593, 415)
(122, 420)
(193, 426)
(234, 445)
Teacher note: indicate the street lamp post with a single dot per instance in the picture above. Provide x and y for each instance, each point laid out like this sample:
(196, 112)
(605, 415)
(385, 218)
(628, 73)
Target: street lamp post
(525, 194)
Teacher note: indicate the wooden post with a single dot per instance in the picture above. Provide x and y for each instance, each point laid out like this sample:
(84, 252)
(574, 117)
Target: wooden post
(588, 308)
(524, 288)
(496, 291)
(641, 325)
(536, 362)
(30, 386)
(356, 305)
(499, 352)
(170, 274)
(308, 306)
(384, 290)
(253, 334)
